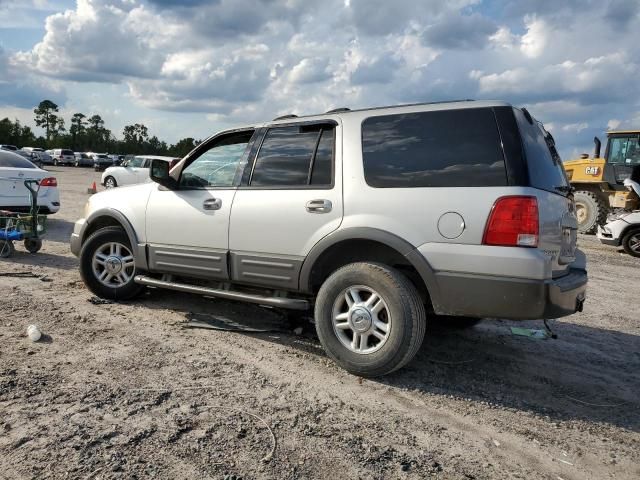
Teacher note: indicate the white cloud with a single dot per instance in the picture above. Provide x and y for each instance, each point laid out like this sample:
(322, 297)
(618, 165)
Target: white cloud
(230, 61)
(533, 43)
(575, 127)
(613, 124)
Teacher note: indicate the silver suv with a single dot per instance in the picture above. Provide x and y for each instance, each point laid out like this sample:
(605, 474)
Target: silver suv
(378, 219)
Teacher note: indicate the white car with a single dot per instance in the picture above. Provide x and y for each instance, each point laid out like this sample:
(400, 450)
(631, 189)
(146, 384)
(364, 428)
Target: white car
(14, 196)
(133, 171)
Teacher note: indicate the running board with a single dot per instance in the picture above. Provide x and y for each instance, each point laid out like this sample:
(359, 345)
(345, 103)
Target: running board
(282, 302)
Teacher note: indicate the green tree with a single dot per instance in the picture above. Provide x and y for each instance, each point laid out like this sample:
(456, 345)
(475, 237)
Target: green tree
(135, 134)
(98, 136)
(14, 133)
(46, 117)
(78, 128)
(183, 146)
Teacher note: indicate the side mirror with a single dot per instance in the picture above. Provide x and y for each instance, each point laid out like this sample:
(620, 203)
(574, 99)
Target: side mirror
(159, 173)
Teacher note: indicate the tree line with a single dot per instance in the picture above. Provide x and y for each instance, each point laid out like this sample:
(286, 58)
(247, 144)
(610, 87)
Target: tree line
(87, 134)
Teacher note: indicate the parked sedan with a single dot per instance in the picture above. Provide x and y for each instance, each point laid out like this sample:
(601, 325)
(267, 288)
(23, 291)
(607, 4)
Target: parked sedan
(135, 170)
(84, 159)
(14, 196)
(43, 157)
(31, 156)
(101, 161)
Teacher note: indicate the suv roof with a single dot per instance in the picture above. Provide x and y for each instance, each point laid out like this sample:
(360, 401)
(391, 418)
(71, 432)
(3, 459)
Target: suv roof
(444, 105)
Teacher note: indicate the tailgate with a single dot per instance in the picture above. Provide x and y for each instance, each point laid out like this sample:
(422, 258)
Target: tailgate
(558, 230)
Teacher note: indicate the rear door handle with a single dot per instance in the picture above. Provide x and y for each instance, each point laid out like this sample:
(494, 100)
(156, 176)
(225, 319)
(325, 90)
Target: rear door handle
(318, 206)
(212, 204)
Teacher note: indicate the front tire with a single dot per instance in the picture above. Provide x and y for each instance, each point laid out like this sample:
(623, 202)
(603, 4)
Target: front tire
(590, 210)
(370, 319)
(107, 265)
(110, 182)
(33, 245)
(631, 243)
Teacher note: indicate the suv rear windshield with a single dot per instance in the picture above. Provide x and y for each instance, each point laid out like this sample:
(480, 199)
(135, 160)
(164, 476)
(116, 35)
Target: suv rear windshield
(67, 152)
(447, 148)
(546, 171)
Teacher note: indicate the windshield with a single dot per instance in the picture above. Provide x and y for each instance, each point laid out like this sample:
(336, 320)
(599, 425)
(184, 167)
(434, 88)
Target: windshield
(102, 155)
(543, 161)
(624, 150)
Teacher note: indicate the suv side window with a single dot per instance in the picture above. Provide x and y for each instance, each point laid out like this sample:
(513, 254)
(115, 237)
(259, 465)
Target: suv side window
(448, 148)
(295, 156)
(217, 166)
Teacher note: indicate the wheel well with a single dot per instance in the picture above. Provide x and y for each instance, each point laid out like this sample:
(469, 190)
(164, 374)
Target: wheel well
(362, 250)
(98, 223)
(629, 229)
(595, 188)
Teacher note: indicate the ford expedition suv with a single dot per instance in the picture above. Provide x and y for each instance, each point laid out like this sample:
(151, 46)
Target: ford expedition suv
(377, 219)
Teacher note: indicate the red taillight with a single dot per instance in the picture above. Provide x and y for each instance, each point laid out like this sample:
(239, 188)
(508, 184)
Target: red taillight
(49, 182)
(513, 222)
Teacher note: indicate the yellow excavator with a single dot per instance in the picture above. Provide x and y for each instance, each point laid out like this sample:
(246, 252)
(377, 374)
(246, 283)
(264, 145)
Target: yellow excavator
(598, 182)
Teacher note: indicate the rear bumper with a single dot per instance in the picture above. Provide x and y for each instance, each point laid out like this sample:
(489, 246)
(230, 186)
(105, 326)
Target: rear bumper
(511, 298)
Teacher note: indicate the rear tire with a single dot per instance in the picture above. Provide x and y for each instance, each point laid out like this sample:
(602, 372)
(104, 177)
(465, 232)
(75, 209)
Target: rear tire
(108, 250)
(369, 339)
(591, 211)
(631, 243)
(6, 248)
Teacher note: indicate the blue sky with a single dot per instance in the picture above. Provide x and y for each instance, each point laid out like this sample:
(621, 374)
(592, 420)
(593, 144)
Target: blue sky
(192, 67)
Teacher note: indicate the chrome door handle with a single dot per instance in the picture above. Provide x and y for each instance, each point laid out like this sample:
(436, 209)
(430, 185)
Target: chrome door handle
(212, 204)
(318, 206)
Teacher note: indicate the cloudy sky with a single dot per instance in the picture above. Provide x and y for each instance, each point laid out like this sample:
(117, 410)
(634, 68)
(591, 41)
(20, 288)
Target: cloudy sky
(192, 67)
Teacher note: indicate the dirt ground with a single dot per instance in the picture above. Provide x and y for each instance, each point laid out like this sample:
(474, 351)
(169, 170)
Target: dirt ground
(124, 391)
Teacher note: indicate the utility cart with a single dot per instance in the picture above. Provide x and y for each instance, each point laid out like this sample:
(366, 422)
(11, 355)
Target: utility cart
(27, 228)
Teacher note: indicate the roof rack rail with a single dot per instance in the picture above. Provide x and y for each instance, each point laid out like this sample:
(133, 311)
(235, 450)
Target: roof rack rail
(338, 110)
(284, 117)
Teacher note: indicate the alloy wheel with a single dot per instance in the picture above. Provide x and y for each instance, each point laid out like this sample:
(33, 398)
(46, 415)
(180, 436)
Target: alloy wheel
(361, 319)
(113, 264)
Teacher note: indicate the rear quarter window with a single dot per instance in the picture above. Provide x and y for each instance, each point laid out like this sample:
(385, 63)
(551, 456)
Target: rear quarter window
(448, 148)
(544, 165)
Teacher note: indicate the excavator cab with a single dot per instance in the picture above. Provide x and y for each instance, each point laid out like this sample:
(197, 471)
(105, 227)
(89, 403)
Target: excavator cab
(622, 154)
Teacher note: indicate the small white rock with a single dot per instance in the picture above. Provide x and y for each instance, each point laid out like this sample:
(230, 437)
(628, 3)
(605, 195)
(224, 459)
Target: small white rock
(33, 332)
